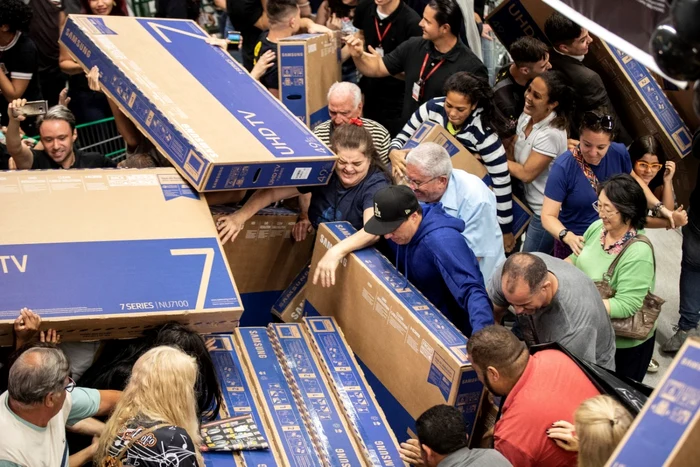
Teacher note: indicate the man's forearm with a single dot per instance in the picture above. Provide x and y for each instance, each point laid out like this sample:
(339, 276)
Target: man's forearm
(108, 399)
(368, 65)
(82, 457)
(356, 241)
(13, 138)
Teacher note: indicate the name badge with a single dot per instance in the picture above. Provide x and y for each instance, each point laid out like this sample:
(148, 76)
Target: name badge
(416, 91)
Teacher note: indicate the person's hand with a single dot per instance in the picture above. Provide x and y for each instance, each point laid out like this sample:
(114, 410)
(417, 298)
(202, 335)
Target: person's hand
(398, 162)
(334, 22)
(14, 108)
(356, 46)
(319, 29)
(669, 171)
(51, 336)
(263, 64)
(63, 98)
(411, 452)
(210, 344)
(26, 326)
(575, 242)
(216, 42)
(564, 434)
(301, 229)
(486, 32)
(680, 217)
(325, 269)
(508, 242)
(93, 77)
(230, 226)
(571, 144)
(11, 164)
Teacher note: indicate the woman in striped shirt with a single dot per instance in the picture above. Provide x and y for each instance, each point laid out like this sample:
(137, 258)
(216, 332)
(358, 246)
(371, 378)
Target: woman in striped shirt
(467, 112)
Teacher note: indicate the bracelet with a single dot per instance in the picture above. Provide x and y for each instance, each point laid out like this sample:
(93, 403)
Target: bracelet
(657, 209)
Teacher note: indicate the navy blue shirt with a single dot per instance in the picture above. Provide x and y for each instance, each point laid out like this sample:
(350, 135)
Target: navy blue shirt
(334, 202)
(568, 185)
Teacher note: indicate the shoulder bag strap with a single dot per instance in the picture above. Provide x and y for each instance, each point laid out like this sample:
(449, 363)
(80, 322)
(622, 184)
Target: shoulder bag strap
(637, 238)
(133, 440)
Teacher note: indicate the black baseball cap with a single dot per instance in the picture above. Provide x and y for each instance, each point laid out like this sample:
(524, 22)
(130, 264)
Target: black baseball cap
(392, 207)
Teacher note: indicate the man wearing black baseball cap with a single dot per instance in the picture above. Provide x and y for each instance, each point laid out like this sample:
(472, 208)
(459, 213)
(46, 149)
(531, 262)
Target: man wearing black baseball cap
(436, 258)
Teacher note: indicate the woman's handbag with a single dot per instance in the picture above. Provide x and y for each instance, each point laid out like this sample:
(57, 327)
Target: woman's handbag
(639, 325)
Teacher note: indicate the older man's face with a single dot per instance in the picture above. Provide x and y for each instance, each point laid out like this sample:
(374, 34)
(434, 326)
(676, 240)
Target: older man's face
(342, 109)
(426, 188)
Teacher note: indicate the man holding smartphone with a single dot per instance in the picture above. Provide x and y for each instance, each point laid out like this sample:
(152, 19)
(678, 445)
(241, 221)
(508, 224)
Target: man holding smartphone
(57, 135)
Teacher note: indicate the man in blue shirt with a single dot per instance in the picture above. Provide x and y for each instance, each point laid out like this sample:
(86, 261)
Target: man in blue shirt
(432, 254)
(430, 175)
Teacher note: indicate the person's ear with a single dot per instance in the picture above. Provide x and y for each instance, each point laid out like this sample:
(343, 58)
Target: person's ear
(359, 107)
(524, 70)
(50, 400)
(493, 374)
(75, 134)
(553, 105)
(427, 451)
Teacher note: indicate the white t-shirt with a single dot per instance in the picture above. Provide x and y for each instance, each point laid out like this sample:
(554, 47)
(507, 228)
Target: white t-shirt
(546, 140)
(27, 445)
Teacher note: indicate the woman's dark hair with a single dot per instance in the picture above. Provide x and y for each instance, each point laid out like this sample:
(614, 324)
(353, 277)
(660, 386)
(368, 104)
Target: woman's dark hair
(649, 144)
(599, 120)
(352, 136)
(16, 14)
(627, 196)
(340, 9)
(561, 93)
(480, 94)
(119, 8)
(113, 367)
(448, 12)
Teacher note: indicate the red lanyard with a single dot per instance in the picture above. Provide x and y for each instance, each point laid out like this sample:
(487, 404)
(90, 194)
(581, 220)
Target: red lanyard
(422, 69)
(380, 35)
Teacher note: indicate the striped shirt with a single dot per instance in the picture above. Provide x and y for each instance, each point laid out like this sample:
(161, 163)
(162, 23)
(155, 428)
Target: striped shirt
(380, 136)
(478, 141)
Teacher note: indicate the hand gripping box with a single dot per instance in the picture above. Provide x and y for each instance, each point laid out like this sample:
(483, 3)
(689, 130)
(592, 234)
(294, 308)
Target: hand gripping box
(292, 440)
(218, 126)
(308, 65)
(667, 430)
(431, 132)
(315, 395)
(265, 257)
(107, 253)
(415, 357)
(238, 400)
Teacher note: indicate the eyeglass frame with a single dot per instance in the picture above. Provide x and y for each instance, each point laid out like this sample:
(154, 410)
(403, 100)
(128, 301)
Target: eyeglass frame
(597, 209)
(649, 164)
(605, 121)
(70, 386)
(412, 183)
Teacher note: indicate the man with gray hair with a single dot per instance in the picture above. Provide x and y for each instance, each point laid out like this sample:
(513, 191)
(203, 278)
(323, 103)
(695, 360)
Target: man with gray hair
(40, 401)
(57, 135)
(345, 104)
(430, 175)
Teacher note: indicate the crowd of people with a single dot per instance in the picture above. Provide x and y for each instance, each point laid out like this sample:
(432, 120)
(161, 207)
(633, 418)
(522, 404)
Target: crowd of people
(545, 131)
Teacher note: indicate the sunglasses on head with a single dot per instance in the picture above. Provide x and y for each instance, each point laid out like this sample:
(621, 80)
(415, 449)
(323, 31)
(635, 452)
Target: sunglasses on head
(606, 122)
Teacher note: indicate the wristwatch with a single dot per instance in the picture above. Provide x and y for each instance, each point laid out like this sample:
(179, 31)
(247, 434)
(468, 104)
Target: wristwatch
(562, 234)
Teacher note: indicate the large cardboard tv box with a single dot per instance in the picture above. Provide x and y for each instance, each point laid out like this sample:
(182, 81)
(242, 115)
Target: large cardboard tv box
(667, 430)
(107, 253)
(290, 305)
(218, 126)
(416, 355)
(309, 64)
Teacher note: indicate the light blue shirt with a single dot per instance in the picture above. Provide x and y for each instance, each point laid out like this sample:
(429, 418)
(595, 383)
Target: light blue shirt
(468, 198)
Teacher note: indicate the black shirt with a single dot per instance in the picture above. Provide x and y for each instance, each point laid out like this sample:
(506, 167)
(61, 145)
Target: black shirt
(83, 160)
(44, 29)
(19, 60)
(4, 157)
(695, 195)
(384, 96)
(243, 15)
(508, 98)
(271, 77)
(178, 9)
(409, 57)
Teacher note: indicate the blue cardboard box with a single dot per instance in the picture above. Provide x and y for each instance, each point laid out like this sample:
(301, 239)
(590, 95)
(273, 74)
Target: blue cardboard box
(290, 305)
(218, 126)
(107, 253)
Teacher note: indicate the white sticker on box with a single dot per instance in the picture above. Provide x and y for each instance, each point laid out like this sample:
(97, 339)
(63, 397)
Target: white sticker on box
(312, 48)
(427, 350)
(301, 173)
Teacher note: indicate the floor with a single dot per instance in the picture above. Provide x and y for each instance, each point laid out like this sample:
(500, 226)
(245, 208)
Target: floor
(667, 247)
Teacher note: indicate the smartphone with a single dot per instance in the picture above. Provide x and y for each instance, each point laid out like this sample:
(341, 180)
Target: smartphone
(234, 37)
(34, 108)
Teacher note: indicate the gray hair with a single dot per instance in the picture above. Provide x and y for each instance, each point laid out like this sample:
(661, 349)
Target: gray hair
(432, 159)
(346, 89)
(57, 112)
(31, 380)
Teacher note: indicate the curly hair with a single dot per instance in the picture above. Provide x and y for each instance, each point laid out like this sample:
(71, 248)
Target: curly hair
(478, 91)
(15, 14)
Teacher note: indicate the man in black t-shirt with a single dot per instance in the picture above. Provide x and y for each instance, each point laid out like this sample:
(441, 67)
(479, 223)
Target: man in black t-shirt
(18, 56)
(385, 24)
(248, 17)
(57, 135)
(427, 61)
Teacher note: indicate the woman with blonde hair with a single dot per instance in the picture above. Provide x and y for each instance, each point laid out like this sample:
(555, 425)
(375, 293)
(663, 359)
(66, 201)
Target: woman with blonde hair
(600, 423)
(155, 424)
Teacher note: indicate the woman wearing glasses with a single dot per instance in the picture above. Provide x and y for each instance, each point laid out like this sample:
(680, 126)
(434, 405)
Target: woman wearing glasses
(622, 208)
(571, 192)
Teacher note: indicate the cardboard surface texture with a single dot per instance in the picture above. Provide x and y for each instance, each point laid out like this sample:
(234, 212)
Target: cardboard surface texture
(290, 306)
(218, 126)
(431, 132)
(315, 395)
(417, 356)
(264, 257)
(309, 64)
(104, 268)
(667, 431)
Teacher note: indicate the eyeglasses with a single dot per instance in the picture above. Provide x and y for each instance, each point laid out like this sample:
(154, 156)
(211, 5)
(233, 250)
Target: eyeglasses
(416, 184)
(605, 211)
(70, 386)
(654, 166)
(591, 119)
